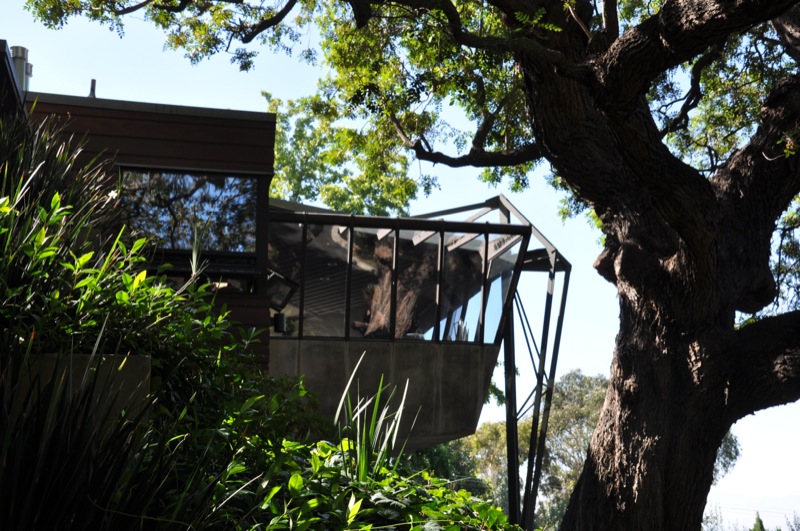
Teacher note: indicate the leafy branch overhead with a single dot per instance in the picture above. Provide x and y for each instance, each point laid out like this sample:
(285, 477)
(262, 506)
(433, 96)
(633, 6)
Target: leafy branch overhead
(418, 59)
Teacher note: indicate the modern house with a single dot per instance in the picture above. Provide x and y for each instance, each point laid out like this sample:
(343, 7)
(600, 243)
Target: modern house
(426, 300)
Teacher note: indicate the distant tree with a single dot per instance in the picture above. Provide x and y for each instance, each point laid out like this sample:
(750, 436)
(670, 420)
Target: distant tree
(577, 401)
(712, 520)
(758, 525)
(488, 448)
(794, 523)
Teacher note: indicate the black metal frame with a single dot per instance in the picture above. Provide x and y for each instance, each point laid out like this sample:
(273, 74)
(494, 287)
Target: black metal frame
(420, 223)
(547, 260)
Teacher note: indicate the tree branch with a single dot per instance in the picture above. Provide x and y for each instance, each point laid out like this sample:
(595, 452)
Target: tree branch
(764, 176)
(477, 156)
(787, 27)
(183, 4)
(511, 45)
(610, 20)
(130, 9)
(766, 365)
(254, 30)
(680, 31)
(694, 94)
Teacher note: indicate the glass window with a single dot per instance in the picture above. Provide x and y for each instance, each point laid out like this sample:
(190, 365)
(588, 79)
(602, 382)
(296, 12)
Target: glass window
(173, 208)
(417, 279)
(503, 255)
(285, 252)
(325, 280)
(371, 285)
(461, 289)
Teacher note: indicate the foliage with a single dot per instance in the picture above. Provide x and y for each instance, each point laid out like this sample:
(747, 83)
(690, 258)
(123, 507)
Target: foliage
(487, 447)
(67, 458)
(758, 525)
(214, 451)
(317, 158)
(417, 73)
(453, 461)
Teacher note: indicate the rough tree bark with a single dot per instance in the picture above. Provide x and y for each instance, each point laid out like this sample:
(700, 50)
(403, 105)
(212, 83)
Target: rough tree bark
(684, 252)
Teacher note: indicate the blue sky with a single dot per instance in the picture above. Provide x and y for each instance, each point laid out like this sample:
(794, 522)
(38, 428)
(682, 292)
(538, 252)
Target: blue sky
(137, 68)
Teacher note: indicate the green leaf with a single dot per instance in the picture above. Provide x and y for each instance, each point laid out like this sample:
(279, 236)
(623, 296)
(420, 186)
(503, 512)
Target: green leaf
(353, 507)
(295, 485)
(137, 245)
(139, 279)
(273, 491)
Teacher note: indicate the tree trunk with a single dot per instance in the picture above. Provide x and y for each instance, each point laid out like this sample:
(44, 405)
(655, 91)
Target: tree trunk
(685, 254)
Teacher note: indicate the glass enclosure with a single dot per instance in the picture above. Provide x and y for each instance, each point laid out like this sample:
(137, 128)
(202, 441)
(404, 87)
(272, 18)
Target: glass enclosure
(407, 280)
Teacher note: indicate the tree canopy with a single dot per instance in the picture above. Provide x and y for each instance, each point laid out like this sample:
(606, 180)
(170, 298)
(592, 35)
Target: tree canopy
(676, 121)
(317, 158)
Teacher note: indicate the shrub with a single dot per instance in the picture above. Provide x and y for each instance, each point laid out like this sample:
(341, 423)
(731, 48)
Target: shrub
(219, 445)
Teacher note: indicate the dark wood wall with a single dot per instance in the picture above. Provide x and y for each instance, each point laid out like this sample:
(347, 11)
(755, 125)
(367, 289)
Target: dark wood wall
(166, 136)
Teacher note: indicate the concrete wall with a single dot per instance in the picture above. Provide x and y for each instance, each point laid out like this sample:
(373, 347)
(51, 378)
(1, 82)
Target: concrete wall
(448, 382)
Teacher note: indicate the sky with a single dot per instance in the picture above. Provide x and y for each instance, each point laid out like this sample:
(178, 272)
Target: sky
(136, 67)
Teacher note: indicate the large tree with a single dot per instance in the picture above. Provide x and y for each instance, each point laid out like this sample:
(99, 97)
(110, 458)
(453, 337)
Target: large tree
(675, 120)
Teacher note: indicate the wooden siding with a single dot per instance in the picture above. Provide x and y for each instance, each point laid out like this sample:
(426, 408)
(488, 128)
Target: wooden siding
(166, 136)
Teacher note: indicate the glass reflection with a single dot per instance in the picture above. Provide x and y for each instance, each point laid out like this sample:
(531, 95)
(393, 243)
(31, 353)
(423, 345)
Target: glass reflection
(285, 252)
(174, 208)
(325, 281)
(371, 291)
(503, 255)
(416, 285)
(461, 289)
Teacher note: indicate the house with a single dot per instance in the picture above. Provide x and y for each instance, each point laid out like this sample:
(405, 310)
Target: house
(426, 300)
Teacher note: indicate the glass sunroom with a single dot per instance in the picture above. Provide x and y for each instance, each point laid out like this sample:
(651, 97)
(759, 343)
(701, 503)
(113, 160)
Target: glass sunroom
(423, 299)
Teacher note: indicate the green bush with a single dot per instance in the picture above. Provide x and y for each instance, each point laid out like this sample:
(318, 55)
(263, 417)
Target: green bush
(219, 445)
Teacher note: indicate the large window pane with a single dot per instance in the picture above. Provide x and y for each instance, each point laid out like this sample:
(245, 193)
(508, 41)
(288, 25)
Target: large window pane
(416, 285)
(285, 253)
(461, 290)
(371, 285)
(175, 208)
(503, 255)
(325, 281)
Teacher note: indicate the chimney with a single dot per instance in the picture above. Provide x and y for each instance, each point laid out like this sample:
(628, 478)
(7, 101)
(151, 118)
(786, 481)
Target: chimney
(22, 68)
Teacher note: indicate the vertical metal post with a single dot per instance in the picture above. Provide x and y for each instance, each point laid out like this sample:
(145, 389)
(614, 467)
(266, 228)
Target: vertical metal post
(439, 288)
(349, 279)
(548, 399)
(531, 485)
(512, 436)
(303, 273)
(393, 297)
